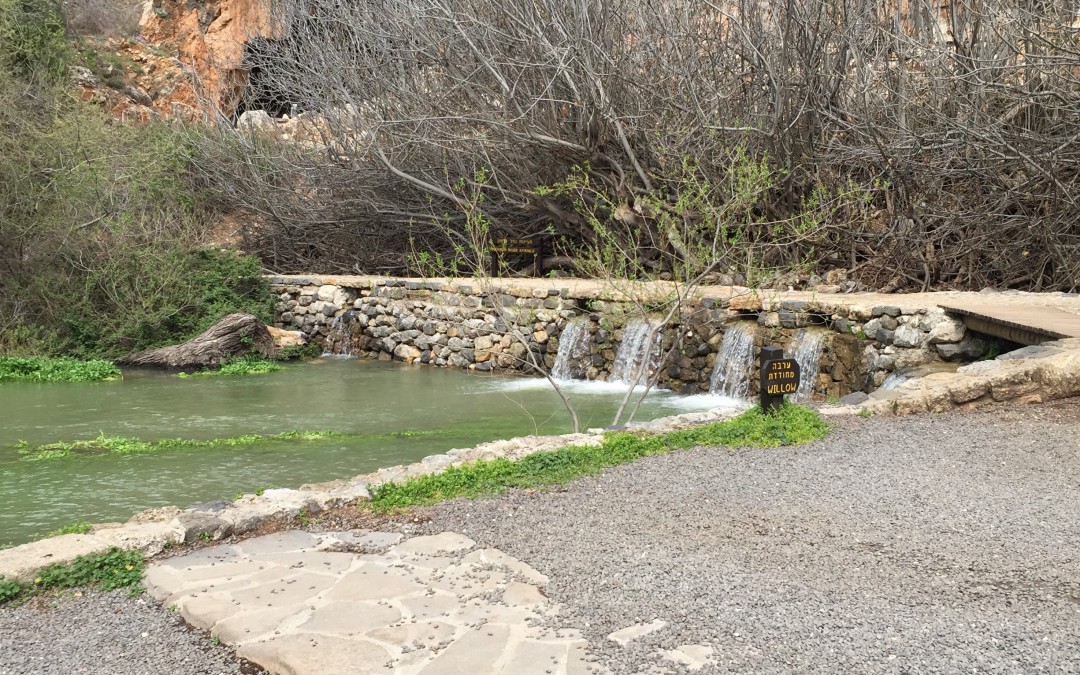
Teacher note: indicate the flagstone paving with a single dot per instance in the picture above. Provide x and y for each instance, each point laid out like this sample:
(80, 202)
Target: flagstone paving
(356, 602)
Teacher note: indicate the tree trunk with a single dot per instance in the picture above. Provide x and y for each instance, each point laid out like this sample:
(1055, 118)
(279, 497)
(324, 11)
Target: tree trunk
(234, 335)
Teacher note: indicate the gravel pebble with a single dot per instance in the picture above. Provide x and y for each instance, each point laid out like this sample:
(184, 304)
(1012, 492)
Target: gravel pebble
(107, 634)
(946, 543)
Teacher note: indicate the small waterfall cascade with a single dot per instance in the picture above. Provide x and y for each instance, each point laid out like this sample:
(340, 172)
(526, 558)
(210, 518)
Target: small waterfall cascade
(636, 349)
(574, 343)
(339, 339)
(806, 348)
(731, 374)
(894, 380)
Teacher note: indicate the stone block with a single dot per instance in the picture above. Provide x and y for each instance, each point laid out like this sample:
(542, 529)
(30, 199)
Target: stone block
(965, 350)
(195, 525)
(908, 337)
(769, 319)
(327, 292)
(885, 310)
(964, 390)
(308, 654)
(947, 330)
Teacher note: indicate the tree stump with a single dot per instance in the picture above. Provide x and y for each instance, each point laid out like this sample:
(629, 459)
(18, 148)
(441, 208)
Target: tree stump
(235, 335)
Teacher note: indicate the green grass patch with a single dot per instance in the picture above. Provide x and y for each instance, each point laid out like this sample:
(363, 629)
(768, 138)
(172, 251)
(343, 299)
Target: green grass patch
(102, 571)
(125, 446)
(48, 369)
(246, 365)
(792, 425)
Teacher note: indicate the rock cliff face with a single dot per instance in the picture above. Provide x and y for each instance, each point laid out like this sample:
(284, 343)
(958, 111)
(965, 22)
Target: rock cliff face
(208, 36)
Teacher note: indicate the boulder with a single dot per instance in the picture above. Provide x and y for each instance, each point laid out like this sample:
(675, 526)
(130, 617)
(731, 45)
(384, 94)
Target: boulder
(908, 337)
(947, 330)
(965, 350)
(286, 338)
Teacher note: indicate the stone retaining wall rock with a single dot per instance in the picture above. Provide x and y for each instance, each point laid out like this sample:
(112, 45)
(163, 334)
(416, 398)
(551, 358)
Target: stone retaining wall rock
(462, 324)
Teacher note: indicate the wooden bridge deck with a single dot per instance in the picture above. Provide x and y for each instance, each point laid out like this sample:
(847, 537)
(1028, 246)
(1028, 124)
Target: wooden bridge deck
(1030, 325)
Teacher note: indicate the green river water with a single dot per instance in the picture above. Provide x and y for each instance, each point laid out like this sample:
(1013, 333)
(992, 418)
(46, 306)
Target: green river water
(401, 413)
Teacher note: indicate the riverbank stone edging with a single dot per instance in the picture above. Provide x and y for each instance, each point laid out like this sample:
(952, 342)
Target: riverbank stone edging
(154, 530)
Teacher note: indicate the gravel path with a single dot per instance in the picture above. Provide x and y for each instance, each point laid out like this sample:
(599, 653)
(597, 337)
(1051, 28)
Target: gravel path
(943, 543)
(107, 634)
(921, 544)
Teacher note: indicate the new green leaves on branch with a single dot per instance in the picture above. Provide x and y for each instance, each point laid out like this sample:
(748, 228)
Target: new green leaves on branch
(791, 425)
(42, 369)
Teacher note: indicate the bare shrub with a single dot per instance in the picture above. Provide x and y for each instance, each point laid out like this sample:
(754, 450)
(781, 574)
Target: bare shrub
(917, 145)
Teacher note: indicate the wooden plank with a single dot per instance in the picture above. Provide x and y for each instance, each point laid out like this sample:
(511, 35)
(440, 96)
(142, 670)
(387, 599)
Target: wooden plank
(1042, 322)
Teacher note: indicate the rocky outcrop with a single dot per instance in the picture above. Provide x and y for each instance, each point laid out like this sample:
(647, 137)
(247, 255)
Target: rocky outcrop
(209, 37)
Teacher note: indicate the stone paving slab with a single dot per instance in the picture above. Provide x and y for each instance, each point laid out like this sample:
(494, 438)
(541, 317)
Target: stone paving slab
(323, 604)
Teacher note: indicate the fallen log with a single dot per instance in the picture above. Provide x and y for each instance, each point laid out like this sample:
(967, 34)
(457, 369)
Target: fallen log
(235, 335)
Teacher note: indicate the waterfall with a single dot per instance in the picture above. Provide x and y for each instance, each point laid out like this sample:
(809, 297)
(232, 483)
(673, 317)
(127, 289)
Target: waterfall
(634, 351)
(339, 339)
(731, 374)
(806, 348)
(574, 342)
(894, 380)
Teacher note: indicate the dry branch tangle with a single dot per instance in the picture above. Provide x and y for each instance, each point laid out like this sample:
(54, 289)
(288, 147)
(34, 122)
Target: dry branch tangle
(929, 145)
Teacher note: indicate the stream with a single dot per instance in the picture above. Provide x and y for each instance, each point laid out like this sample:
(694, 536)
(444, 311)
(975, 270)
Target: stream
(398, 414)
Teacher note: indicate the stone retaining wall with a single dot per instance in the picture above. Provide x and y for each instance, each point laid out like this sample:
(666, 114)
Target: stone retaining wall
(506, 327)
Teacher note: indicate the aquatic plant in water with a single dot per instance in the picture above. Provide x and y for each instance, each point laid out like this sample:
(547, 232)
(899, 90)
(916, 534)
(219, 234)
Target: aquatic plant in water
(246, 365)
(125, 445)
(50, 369)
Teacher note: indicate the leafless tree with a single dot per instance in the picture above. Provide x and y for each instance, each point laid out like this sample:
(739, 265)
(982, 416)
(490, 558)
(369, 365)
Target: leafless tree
(915, 144)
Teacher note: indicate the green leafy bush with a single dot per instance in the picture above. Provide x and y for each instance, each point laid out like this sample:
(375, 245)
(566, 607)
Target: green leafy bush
(792, 425)
(42, 369)
(104, 233)
(10, 589)
(245, 365)
(105, 571)
(33, 41)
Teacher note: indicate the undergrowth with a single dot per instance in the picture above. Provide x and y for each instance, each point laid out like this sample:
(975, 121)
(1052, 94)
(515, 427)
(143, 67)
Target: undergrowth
(792, 425)
(44, 369)
(245, 365)
(124, 446)
(102, 571)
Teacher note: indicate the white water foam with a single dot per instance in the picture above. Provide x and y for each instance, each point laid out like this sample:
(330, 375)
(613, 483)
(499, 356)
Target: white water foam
(638, 356)
(731, 374)
(574, 343)
(806, 348)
